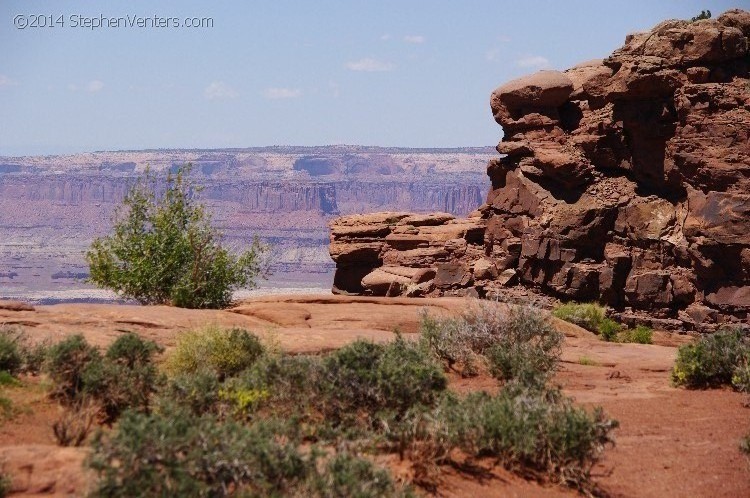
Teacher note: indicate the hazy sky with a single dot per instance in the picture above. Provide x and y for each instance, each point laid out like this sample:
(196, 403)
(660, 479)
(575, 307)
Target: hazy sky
(393, 73)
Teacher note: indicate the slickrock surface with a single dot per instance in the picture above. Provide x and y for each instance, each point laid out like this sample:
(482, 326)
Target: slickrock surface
(624, 180)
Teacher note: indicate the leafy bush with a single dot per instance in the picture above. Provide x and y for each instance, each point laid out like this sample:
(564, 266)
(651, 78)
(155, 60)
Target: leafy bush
(513, 342)
(346, 475)
(124, 378)
(712, 360)
(527, 348)
(66, 366)
(745, 445)
(164, 250)
(226, 351)
(180, 455)
(609, 329)
(705, 14)
(74, 425)
(448, 339)
(11, 360)
(196, 392)
(587, 362)
(586, 315)
(5, 485)
(368, 378)
(17, 355)
(292, 384)
(639, 335)
(527, 428)
(741, 374)
(6, 379)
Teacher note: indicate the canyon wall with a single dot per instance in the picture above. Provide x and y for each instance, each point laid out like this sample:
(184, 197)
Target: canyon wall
(51, 207)
(624, 180)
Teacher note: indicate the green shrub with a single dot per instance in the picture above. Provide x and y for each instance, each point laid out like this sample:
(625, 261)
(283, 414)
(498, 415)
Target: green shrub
(125, 377)
(196, 392)
(164, 250)
(741, 374)
(367, 378)
(17, 355)
(705, 14)
(512, 342)
(6, 379)
(528, 347)
(6, 408)
(34, 357)
(73, 426)
(586, 315)
(180, 455)
(346, 475)
(745, 445)
(5, 485)
(226, 351)
(639, 335)
(66, 366)
(11, 359)
(712, 360)
(528, 429)
(448, 339)
(609, 329)
(587, 362)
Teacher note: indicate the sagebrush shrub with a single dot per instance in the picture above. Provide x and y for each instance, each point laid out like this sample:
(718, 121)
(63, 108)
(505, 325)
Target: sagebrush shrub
(282, 386)
(11, 360)
(741, 374)
(347, 475)
(5, 485)
(745, 445)
(586, 315)
(73, 426)
(226, 351)
(125, 377)
(712, 360)
(512, 341)
(609, 329)
(164, 250)
(181, 455)
(66, 366)
(528, 347)
(639, 335)
(195, 392)
(17, 354)
(371, 378)
(527, 428)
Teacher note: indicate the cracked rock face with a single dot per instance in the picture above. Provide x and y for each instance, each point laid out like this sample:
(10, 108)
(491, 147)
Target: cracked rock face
(624, 180)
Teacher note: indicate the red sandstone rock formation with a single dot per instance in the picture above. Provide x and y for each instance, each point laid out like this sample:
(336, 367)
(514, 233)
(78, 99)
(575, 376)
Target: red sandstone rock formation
(625, 180)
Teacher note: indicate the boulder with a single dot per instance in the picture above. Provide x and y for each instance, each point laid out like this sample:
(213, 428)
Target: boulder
(623, 180)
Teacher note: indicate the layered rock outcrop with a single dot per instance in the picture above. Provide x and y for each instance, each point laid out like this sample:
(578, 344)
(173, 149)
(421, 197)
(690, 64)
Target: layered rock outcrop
(624, 180)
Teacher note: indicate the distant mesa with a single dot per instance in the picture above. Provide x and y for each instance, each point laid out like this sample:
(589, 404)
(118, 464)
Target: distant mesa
(70, 275)
(380, 164)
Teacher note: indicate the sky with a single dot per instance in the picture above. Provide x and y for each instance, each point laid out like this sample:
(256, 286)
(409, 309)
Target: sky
(411, 73)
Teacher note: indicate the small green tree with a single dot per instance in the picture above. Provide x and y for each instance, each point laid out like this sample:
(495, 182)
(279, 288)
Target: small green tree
(705, 14)
(163, 249)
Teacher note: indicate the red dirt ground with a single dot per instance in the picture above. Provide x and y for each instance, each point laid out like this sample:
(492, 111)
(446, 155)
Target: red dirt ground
(670, 443)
